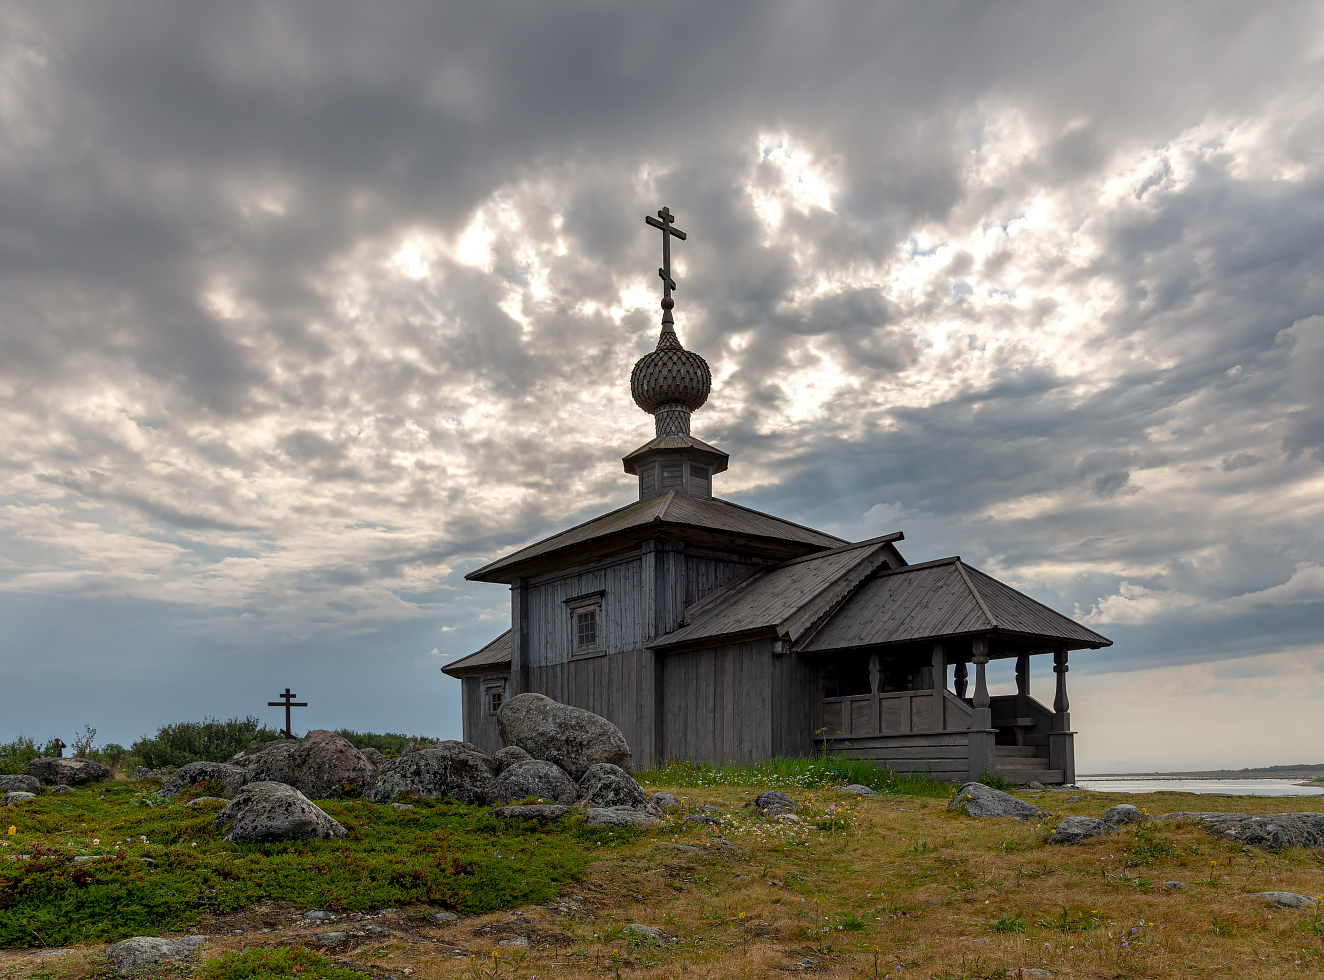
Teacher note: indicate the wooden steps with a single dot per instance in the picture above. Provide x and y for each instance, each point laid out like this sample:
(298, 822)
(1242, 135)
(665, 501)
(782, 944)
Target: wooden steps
(1022, 764)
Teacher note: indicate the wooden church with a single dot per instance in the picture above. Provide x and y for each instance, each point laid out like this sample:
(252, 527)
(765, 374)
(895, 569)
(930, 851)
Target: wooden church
(708, 631)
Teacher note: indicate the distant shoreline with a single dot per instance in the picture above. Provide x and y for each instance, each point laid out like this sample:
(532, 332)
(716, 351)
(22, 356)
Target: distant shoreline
(1307, 773)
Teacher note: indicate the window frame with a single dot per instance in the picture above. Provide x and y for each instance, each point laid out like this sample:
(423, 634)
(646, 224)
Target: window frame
(589, 602)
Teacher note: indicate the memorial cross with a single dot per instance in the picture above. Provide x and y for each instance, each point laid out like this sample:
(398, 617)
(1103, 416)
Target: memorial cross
(664, 221)
(288, 703)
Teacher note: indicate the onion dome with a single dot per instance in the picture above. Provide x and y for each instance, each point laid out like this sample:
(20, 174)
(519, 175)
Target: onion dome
(671, 382)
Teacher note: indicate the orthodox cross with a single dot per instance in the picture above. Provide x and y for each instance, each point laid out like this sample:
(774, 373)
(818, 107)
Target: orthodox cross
(288, 703)
(663, 220)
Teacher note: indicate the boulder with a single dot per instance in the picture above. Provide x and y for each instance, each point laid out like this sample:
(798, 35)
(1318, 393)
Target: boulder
(543, 812)
(662, 801)
(1271, 831)
(620, 816)
(450, 771)
(10, 798)
(978, 800)
(70, 772)
(1123, 814)
(373, 757)
(607, 785)
(858, 789)
(534, 778)
(1035, 785)
(140, 952)
(322, 765)
(453, 744)
(59, 789)
(772, 803)
(1073, 830)
(509, 756)
(19, 784)
(231, 777)
(1288, 900)
(268, 811)
(571, 737)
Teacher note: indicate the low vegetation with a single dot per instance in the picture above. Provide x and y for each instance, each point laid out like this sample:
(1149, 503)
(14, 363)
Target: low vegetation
(893, 884)
(782, 772)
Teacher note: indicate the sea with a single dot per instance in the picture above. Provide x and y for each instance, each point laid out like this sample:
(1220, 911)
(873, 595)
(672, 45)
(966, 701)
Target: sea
(1203, 785)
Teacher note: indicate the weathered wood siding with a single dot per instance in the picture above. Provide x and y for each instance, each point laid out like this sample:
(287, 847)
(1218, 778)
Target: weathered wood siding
(480, 728)
(621, 626)
(717, 703)
(705, 573)
(795, 690)
(618, 686)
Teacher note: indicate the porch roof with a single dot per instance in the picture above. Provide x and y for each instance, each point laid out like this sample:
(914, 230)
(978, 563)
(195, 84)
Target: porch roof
(495, 654)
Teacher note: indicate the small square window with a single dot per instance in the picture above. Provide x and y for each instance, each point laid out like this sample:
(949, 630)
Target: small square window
(494, 693)
(586, 629)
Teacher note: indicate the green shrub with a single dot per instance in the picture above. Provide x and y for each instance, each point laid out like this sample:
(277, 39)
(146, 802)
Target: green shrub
(994, 779)
(389, 744)
(261, 964)
(15, 755)
(209, 740)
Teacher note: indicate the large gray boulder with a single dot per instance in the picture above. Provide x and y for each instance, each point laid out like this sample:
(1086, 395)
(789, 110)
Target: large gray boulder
(231, 777)
(534, 778)
(605, 785)
(322, 765)
(978, 800)
(1123, 814)
(510, 755)
(140, 952)
(570, 737)
(19, 784)
(267, 811)
(373, 756)
(1073, 830)
(438, 771)
(70, 772)
(1271, 831)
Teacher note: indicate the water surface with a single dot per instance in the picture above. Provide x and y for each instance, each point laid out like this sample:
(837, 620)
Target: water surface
(1223, 787)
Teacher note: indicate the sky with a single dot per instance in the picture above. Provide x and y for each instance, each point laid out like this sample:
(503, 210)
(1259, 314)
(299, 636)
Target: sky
(309, 308)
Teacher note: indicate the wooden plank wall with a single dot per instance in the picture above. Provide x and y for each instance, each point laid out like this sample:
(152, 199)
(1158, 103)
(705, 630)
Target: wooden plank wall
(480, 728)
(622, 625)
(706, 573)
(796, 689)
(717, 703)
(618, 686)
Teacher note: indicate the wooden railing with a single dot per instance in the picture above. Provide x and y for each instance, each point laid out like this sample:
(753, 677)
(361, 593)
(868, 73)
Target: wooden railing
(895, 712)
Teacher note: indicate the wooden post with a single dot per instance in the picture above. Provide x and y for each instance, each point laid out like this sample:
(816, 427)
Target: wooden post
(1022, 677)
(875, 680)
(1062, 740)
(939, 686)
(983, 737)
(962, 677)
(519, 647)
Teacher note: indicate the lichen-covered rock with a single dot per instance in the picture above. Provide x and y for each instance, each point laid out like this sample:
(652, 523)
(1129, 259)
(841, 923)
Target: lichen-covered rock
(231, 777)
(534, 778)
(140, 952)
(570, 737)
(1288, 900)
(858, 789)
(19, 784)
(70, 772)
(660, 802)
(978, 800)
(322, 765)
(1073, 830)
(620, 816)
(772, 803)
(606, 785)
(267, 811)
(543, 812)
(1271, 831)
(373, 757)
(59, 789)
(1123, 814)
(9, 799)
(510, 755)
(449, 771)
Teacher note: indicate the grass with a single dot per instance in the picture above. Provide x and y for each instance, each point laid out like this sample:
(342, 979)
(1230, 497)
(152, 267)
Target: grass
(894, 880)
(782, 772)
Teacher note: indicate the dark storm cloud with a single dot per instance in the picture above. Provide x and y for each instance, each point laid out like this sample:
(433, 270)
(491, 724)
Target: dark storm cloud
(308, 308)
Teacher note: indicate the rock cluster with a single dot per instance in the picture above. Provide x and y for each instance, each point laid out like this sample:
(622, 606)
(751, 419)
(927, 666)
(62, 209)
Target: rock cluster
(571, 737)
(1271, 831)
(322, 765)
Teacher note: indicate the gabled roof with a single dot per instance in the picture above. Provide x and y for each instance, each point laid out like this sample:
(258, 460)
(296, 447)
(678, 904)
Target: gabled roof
(640, 519)
(790, 597)
(802, 601)
(495, 654)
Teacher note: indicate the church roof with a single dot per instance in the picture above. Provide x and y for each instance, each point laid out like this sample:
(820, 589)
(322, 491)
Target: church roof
(644, 517)
(676, 441)
(841, 599)
(496, 653)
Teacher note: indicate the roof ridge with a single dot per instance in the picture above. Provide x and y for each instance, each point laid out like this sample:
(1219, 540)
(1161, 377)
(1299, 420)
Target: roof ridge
(882, 539)
(960, 567)
(819, 608)
(1026, 595)
(666, 502)
(774, 517)
(919, 566)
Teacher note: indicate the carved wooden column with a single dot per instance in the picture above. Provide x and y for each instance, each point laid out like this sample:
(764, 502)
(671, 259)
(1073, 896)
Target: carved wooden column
(1022, 677)
(983, 737)
(961, 676)
(1062, 740)
(875, 685)
(939, 686)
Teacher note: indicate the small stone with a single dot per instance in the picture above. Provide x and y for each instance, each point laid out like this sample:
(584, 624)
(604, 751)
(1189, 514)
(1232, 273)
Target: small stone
(1122, 814)
(619, 816)
(403, 806)
(858, 789)
(520, 941)
(318, 915)
(331, 938)
(662, 801)
(375, 931)
(140, 952)
(9, 799)
(1073, 830)
(1174, 885)
(1288, 900)
(787, 818)
(236, 932)
(543, 812)
(1034, 971)
(687, 848)
(702, 818)
(640, 929)
(52, 952)
(203, 799)
(1074, 799)
(444, 917)
(1034, 784)
(772, 802)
